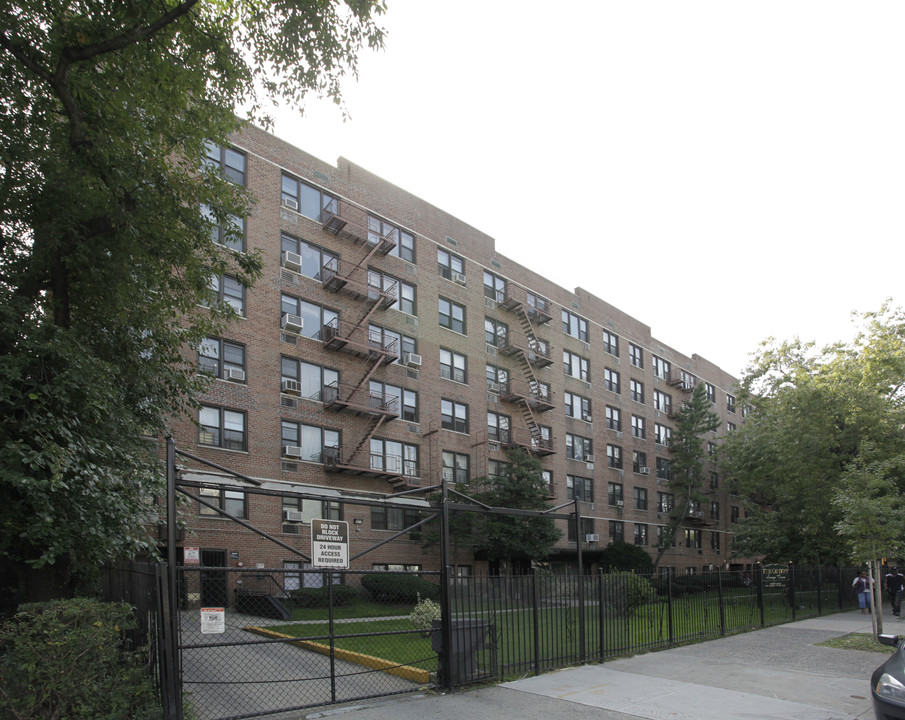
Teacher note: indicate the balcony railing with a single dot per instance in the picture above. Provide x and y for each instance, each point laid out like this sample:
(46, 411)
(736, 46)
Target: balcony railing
(538, 352)
(538, 397)
(358, 282)
(351, 222)
(340, 396)
(525, 439)
(536, 308)
(359, 341)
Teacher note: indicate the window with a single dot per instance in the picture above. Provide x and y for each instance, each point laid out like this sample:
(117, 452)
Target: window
(640, 534)
(577, 406)
(498, 427)
(574, 325)
(452, 315)
(637, 391)
(310, 510)
(310, 378)
(638, 428)
(406, 299)
(496, 374)
(711, 393)
(307, 442)
(617, 531)
(734, 514)
(665, 502)
(579, 487)
(611, 380)
(495, 332)
(614, 456)
(579, 448)
(218, 357)
(687, 380)
(640, 498)
(447, 264)
(587, 528)
(498, 469)
(387, 518)
(456, 467)
(546, 477)
(227, 290)
(221, 428)
(398, 399)
(662, 402)
(663, 469)
(662, 434)
(664, 539)
(392, 341)
(611, 343)
(230, 162)
(232, 501)
(613, 418)
(711, 449)
(661, 367)
(576, 366)
(405, 242)
(730, 403)
(715, 511)
(635, 355)
(639, 460)
(693, 539)
(494, 287)
(452, 366)
(714, 481)
(715, 542)
(454, 415)
(395, 457)
(314, 317)
(395, 567)
(228, 231)
(313, 258)
(730, 427)
(306, 199)
(614, 494)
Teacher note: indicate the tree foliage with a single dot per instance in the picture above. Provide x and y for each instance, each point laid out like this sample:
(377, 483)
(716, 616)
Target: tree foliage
(105, 257)
(819, 460)
(504, 537)
(687, 478)
(625, 556)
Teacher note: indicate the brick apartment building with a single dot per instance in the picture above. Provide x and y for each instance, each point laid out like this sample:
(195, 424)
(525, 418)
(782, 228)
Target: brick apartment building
(388, 343)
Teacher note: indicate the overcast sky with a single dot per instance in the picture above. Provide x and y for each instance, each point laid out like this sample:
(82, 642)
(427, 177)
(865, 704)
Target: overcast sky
(738, 168)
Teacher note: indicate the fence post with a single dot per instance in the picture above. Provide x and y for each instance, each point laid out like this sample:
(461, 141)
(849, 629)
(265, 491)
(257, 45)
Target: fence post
(535, 619)
(839, 586)
(819, 592)
(719, 592)
(760, 594)
(792, 591)
(601, 618)
(669, 602)
(582, 647)
(331, 629)
(445, 659)
(169, 598)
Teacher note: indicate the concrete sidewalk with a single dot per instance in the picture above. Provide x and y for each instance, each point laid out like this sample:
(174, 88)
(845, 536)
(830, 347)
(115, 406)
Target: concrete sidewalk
(776, 673)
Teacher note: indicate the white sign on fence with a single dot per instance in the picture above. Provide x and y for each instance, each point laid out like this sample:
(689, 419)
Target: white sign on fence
(329, 543)
(213, 620)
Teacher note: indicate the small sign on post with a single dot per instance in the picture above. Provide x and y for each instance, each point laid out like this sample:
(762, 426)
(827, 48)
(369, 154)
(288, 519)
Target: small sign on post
(330, 543)
(191, 556)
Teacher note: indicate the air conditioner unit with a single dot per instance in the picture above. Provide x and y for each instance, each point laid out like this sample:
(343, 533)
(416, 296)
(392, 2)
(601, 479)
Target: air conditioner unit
(292, 261)
(587, 418)
(293, 451)
(291, 387)
(292, 323)
(458, 278)
(592, 538)
(644, 470)
(411, 359)
(494, 387)
(620, 503)
(235, 374)
(589, 458)
(291, 203)
(293, 516)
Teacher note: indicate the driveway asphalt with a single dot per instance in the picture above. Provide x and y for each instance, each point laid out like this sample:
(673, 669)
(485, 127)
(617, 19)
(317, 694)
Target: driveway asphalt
(778, 673)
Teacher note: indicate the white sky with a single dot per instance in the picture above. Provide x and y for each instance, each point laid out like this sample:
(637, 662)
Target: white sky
(737, 168)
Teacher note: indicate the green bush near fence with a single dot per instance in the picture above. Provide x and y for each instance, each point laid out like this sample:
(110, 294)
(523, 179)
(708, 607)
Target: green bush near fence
(64, 659)
(398, 589)
(320, 597)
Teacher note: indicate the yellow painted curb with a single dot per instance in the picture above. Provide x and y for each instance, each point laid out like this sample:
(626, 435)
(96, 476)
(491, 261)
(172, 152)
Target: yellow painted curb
(404, 671)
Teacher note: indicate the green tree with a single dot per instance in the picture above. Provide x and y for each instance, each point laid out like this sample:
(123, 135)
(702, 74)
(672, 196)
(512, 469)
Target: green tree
(688, 455)
(624, 556)
(109, 108)
(504, 537)
(818, 460)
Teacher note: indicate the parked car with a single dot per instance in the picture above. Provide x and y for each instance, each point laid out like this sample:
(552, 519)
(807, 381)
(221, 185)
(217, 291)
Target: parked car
(887, 684)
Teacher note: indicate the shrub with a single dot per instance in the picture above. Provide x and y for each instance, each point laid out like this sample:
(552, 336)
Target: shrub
(626, 591)
(64, 659)
(424, 614)
(392, 588)
(320, 598)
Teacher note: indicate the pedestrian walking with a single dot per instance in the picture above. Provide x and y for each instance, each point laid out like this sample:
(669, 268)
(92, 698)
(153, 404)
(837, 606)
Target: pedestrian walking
(861, 586)
(895, 584)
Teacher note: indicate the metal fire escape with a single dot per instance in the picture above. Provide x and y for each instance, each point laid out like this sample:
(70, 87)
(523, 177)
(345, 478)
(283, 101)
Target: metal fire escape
(357, 281)
(529, 394)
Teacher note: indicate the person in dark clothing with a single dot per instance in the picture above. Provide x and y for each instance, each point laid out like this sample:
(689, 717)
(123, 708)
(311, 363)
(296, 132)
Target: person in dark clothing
(895, 584)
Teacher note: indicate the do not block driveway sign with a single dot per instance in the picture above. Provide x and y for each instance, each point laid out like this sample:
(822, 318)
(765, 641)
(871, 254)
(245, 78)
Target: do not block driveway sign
(330, 543)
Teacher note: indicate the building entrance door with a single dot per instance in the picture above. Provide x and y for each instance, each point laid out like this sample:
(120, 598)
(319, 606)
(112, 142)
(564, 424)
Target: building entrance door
(213, 582)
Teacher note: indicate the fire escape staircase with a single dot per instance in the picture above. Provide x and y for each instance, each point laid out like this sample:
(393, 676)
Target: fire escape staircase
(356, 338)
(529, 394)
